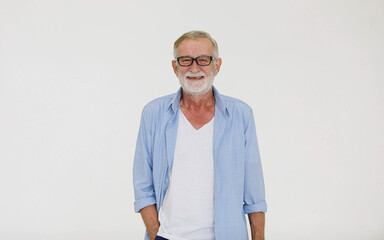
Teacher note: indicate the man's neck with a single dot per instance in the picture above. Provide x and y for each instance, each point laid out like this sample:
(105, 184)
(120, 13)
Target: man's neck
(200, 102)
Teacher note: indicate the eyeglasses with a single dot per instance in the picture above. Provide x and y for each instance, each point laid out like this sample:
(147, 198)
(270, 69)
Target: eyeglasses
(200, 60)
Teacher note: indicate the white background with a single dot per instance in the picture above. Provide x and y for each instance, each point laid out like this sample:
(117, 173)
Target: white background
(74, 76)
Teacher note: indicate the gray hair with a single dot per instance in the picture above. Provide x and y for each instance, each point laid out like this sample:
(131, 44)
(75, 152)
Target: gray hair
(194, 35)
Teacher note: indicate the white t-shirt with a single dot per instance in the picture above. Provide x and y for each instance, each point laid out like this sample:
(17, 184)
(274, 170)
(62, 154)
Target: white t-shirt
(188, 209)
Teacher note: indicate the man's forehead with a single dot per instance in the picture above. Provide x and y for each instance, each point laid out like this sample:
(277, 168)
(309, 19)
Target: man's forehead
(196, 45)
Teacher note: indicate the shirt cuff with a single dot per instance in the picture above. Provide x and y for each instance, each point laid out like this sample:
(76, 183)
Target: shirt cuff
(144, 202)
(257, 207)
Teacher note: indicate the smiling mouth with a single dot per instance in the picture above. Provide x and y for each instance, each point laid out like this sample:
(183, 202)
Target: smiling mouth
(195, 78)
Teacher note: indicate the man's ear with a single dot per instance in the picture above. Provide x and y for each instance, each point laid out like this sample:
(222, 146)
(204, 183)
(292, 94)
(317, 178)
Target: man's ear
(174, 66)
(217, 65)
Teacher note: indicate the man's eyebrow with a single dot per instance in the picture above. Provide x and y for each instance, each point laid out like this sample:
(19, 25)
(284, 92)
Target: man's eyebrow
(197, 56)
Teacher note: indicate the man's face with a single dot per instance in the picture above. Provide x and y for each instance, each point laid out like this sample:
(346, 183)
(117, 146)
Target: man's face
(196, 80)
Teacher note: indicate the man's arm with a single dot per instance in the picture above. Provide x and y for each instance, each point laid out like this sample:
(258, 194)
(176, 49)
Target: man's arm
(149, 215)
(257, 222)
(145, 197)
(254, 191)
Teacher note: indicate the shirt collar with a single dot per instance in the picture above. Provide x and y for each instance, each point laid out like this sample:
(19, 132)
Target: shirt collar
(175, 102)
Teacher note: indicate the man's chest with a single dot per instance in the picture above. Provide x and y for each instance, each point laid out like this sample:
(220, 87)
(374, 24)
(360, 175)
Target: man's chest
(198, 119)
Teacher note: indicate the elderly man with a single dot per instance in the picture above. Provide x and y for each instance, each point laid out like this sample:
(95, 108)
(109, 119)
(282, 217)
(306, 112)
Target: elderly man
(197, 168)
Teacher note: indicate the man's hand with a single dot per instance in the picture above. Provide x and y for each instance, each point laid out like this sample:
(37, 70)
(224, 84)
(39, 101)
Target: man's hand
(149, 215)
(257, 222)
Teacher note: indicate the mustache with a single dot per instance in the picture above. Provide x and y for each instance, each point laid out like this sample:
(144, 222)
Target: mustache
(199, 74)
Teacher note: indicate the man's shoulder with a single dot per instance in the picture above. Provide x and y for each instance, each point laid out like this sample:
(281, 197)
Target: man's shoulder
(159, 104)
(235, 104)
(164, 100)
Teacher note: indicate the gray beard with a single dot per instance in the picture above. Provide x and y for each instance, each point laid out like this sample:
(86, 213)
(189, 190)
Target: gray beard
(196, 88)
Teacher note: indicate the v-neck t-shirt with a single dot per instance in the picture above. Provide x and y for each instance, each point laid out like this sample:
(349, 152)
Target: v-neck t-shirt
(188, 208)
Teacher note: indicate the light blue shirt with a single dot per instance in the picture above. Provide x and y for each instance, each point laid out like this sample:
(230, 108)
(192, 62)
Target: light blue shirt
(239, 183)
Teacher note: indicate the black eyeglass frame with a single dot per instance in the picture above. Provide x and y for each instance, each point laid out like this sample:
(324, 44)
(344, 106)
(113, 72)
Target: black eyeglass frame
(195, 59)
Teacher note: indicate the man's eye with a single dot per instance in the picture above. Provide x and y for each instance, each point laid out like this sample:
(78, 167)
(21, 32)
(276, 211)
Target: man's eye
(185, 60)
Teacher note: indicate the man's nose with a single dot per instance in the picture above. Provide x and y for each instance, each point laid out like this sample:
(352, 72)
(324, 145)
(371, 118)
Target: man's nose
(194, 67)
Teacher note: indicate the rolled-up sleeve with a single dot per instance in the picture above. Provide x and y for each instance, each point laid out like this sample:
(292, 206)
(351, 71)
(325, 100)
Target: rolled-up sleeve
(142, 166)
(254, 190)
